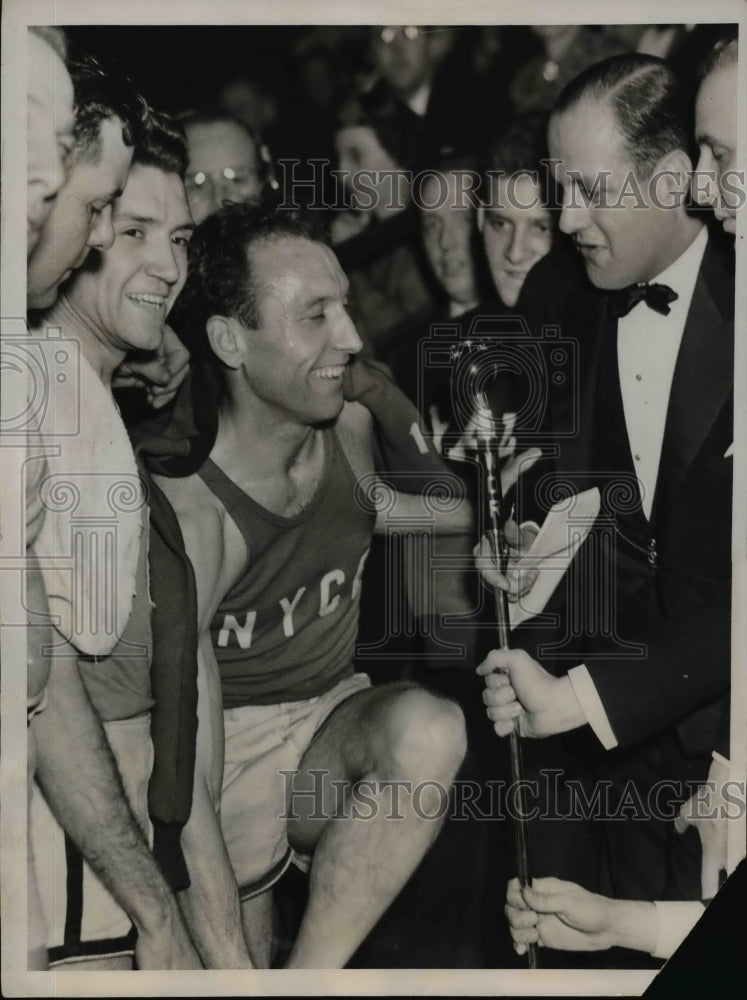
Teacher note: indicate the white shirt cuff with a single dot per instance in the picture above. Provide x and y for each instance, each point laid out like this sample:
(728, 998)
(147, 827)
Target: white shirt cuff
(675, 919)
(592, 706)
(530, 524)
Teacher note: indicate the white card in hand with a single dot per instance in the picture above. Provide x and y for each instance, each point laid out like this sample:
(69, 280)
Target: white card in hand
(565, 528)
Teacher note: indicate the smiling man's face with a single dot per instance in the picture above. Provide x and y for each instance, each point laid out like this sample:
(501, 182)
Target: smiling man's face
(296, 355)
(127, 297)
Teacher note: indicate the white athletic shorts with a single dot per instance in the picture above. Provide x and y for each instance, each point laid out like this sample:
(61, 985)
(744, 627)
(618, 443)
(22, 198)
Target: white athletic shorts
(261, 742)
(83, 920)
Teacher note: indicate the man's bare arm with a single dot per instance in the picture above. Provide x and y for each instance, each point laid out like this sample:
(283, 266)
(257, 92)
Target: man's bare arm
(355, 430)
(396, 509)
(211, 903)
(39, 634)
(78, 775)
(456, 517)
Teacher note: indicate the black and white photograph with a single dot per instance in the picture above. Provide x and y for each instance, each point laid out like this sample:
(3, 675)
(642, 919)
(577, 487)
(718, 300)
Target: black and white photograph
(373, 546)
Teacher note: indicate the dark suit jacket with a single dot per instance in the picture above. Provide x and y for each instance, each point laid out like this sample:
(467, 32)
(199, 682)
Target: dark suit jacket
(645, 604)
(674, 581)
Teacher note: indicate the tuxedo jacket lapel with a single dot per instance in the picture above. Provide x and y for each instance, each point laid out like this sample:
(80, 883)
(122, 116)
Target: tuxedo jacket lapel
(589, 325)
(703, 378)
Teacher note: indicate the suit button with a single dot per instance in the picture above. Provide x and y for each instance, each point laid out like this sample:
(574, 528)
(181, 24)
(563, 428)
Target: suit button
(652, 554)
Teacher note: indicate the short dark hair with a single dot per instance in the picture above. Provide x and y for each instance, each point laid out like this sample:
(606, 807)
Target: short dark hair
(397, 128)
(649, 101)
(521, 145)
(448, 160)
(101, 94)
(521, 148)
(54, 37)
(219, 279)
(161, 144)
(724, 53)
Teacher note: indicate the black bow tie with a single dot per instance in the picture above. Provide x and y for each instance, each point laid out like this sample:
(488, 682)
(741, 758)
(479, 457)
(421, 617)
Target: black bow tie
(656, 297)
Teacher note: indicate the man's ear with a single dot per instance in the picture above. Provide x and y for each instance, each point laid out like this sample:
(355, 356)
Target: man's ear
(670, 181)
(226, 340)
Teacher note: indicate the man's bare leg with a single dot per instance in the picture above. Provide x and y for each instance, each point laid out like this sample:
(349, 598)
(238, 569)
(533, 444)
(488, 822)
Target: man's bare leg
(37, 928)
(362, 858)
(258, 919)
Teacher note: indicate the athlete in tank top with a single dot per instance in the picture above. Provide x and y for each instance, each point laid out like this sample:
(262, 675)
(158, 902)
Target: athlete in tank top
(286, 629)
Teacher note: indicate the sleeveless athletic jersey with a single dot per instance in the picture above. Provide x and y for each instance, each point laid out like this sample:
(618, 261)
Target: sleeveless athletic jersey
(287, 629)
(119, 684)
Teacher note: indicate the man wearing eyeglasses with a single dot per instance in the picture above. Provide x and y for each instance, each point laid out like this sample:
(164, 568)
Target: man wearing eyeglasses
(420, 66)
(407, 58)
(225, 162)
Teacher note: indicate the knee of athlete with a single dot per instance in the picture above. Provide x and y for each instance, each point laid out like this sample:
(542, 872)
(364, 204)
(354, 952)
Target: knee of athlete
(426, 736)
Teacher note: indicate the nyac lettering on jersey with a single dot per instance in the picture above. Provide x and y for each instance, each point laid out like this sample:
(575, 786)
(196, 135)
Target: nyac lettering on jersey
(327, 595)
(287, 628)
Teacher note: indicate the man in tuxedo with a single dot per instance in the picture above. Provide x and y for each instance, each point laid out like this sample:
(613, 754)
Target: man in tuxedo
(648, 600)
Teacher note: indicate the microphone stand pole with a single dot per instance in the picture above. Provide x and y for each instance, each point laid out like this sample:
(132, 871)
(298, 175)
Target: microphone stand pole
(487, 452)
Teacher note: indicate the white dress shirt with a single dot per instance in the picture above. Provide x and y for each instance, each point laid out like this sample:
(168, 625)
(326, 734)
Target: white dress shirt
(647, 348)
(418, 102)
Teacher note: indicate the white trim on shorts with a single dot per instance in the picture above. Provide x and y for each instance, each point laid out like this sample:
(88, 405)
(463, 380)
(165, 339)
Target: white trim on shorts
(261, 741)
